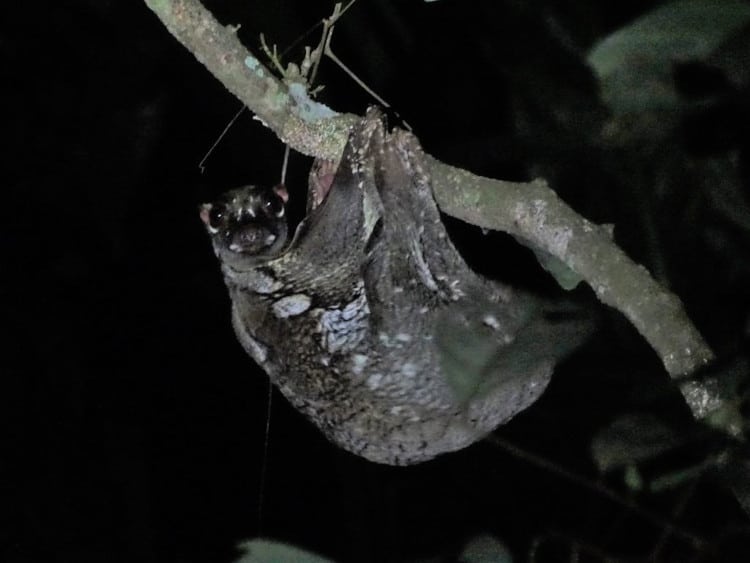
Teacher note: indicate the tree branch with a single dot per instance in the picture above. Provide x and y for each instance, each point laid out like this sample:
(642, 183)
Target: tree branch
(530, 211)
(307, 126)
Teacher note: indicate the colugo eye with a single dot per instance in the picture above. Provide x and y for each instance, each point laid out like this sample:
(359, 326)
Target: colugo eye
(216, 215)
(274, 205)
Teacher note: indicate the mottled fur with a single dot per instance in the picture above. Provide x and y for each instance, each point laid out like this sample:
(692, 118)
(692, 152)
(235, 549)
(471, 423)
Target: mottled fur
(367, 316)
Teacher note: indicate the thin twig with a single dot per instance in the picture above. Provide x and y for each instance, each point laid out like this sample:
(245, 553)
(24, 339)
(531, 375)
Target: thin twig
(677, 511)
(264, 462)
(328, 51)
(202, 163)
(662, 523)
(284, 165)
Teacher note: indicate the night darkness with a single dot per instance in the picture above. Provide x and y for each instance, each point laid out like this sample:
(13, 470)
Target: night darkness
(132, 424)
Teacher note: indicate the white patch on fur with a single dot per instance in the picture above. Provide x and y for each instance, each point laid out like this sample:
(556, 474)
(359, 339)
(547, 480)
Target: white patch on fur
(491, 321)
(373, 382)
(344, 328)
(359, 361)
(409, 369)
(291, 305)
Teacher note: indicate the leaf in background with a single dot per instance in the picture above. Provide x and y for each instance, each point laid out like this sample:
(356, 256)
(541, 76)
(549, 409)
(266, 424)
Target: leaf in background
(563, 274)
(633, 479)
(675, 479)
(634, 64)
(630, 439)
(266, 551)
(465, 355)
(485, 548)
(489, 348)
(735, 470)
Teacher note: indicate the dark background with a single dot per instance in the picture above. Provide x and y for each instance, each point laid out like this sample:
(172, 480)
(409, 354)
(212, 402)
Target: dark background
(133, 424)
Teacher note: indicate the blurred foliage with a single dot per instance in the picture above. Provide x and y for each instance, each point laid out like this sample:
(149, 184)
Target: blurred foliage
(269, 551)
(635, 64)
(485, 549)
(630, 439)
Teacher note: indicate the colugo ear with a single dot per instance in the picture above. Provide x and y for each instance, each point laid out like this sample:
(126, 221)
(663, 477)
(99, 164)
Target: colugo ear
(205, 212)
(281, 191)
